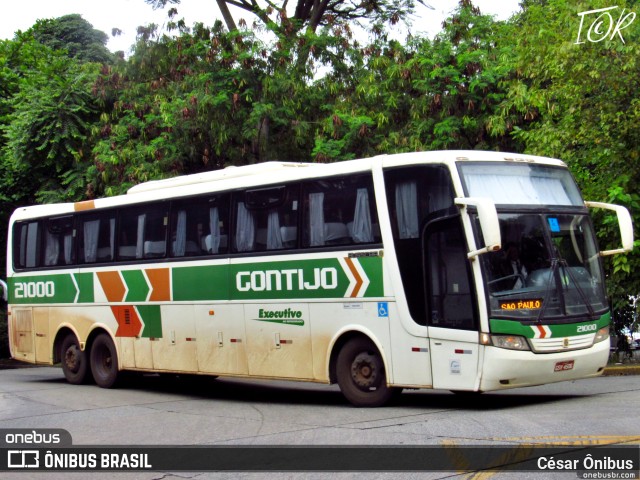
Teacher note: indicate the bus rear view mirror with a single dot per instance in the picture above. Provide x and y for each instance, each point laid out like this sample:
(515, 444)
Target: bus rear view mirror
(624, 222)
(489, 224)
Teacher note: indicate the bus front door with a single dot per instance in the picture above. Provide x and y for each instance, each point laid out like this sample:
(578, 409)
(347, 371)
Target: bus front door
(451, 306)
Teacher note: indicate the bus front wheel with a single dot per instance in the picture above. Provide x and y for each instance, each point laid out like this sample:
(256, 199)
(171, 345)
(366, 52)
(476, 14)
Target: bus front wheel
(104, 361)
(74, 361)
(361, 374)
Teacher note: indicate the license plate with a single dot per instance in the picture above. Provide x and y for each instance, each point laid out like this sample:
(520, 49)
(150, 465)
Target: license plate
(564, 366)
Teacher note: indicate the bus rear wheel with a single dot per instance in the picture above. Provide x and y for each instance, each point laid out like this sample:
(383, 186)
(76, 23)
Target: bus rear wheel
(104, 361)
(361, 374)
(74, 361)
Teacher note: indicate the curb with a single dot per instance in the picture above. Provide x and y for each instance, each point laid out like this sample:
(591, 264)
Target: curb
(619, 370)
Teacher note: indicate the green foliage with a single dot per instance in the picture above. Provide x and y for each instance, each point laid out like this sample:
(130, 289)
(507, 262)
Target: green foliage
(204, 100)
(424, 95)
(74, 35)
(46, 130)
(178, 106)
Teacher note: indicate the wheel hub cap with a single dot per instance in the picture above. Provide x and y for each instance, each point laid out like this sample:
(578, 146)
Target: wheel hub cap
(364, 370)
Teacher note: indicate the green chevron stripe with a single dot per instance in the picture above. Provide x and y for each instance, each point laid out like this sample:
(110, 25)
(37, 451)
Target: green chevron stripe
(85, 285)
(137, 285)
(152, 319)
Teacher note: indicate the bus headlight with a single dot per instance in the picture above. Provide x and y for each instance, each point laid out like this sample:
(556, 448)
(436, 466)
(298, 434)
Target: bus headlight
(602, 334)
(510, 342)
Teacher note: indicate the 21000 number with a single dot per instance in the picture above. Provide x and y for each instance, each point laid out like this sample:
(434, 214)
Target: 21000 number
(35, 290)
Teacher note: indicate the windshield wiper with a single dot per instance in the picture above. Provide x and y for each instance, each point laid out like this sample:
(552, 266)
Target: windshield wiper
(581, 294)
(554, 274)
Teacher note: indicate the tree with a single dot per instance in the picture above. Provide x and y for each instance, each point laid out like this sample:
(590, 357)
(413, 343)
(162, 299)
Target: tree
(46, 107)
(309, 15)
(76, 36)
(46, 129)
(425, 95)
(178, 106)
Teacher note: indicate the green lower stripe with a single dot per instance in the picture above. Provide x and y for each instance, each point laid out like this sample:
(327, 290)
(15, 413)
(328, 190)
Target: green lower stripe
(514, 327)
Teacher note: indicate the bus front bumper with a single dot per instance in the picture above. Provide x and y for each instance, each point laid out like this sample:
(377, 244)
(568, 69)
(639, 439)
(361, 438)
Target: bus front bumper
(504, 368)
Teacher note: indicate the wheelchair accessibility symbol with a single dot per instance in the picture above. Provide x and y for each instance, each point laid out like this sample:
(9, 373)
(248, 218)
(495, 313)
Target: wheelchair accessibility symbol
(383, 309)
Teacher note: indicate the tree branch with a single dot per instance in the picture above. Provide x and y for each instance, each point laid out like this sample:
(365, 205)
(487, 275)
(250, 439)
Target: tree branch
(226, 14)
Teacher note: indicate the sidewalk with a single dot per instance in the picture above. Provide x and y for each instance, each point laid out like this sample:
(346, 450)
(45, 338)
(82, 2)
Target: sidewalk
(626, 366)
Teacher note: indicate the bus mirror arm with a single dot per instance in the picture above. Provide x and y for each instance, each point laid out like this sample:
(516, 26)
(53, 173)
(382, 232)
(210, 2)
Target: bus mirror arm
(489, 224)
(625, 224)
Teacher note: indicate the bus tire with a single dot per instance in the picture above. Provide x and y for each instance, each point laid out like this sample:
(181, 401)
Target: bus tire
(361, 374)
(104, 361)
(75, 364)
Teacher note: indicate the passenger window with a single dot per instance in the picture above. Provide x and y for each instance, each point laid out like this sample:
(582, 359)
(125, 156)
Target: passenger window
(200, 226)
(27, 245)
(97, 237)
(143, 232)
(59, 242)
(340, 211)
(266, 219)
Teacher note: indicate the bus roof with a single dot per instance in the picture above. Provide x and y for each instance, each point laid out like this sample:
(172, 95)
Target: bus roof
(215, 175)
(269, 173)
(267, 169)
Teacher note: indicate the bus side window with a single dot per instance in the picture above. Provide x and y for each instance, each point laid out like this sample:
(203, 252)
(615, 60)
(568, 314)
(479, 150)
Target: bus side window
(59, 242)
(199, 226)
(142, 232)
(266, 219)
(97, 237)
(340, 211)
(27, 245)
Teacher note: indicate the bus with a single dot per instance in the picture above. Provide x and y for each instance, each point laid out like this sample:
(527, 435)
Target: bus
(468, 271)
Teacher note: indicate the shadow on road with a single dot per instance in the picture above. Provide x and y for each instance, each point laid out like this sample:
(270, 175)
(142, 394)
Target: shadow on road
(291, 393)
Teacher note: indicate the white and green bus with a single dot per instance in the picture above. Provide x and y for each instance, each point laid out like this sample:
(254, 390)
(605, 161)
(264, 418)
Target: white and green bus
(459, 270)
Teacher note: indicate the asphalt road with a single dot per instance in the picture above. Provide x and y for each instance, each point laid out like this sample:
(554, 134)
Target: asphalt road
(155, 410)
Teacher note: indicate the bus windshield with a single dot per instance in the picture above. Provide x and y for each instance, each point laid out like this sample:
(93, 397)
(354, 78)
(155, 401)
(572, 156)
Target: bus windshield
(547, 268)
(521, 184)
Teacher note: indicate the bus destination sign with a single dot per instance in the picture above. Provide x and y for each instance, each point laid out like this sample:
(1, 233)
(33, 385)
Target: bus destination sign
(525, 304)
